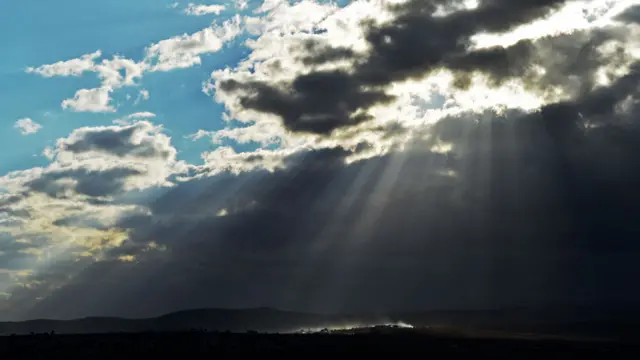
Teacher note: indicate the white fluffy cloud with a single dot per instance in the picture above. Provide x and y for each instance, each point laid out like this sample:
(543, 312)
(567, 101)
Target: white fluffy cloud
(109, 71)
(185, 50)
(226, 159)
(90, 100)
(73, 67)
(199, 10)
(241, 4)
(114, 158)
(142, 95)
(169, 54)
(132, 118)
(27, 126)
(140, 154)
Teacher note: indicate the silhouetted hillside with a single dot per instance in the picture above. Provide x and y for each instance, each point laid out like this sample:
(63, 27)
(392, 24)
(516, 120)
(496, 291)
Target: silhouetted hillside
(570, 321)
(261, 319)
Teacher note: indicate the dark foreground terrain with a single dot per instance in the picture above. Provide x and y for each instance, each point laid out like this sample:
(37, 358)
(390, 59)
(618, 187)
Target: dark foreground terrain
(219, 333)
(392, 344)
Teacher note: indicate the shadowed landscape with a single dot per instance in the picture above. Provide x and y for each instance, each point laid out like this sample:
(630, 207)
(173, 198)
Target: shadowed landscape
(569, 322)
(364, 344)
(506, 333)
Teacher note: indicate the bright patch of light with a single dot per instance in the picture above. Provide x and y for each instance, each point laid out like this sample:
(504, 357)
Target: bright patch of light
(355, 326)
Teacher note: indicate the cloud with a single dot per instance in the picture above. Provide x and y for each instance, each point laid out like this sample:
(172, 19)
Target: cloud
(141, 115)
(69, 211)
(27, 126)
(141, 139)
(73, 67)
(185, 51)
(630, 15)
(225, 159)
(90, 100)
(323, 45)
(102, 162)
(110, 71)
(269, 5)
(264, 133)
(304, 104)
(200, 10)
(142, 95)
(169, 54)
(114, 74)
(111, 74)
(331, 48)
(132, 118)
(521, 209)
(95, 183)
(241, 4)
(198, 135)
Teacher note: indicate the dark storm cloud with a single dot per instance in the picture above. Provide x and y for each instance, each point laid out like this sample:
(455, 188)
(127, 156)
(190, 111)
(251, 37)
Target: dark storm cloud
(630, 15)
(96, 183)
(413, 43)
(416, 41)
(118, 141)
(318, 102)
(527, 208)
(317, 53)
(570, 61)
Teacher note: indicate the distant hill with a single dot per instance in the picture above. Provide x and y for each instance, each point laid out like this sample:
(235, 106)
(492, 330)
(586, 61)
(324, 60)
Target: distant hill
(260, 319)
(566, 321)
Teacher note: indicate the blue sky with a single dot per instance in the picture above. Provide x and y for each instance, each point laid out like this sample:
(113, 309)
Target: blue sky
(69, 29)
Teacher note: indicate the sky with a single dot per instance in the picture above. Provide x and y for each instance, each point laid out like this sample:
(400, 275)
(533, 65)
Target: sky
(363, 155)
